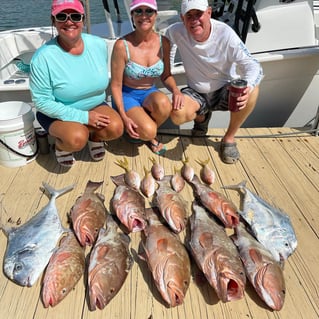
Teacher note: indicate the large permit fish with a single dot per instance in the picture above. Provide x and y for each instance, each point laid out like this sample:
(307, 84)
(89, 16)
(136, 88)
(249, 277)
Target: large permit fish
(110, 262)
(216, 255)
(167, 259)
(269, 225)
(216, 203)
(264, 273)
(31, 245)
(128, 204)
(64, 270)
(88, 214)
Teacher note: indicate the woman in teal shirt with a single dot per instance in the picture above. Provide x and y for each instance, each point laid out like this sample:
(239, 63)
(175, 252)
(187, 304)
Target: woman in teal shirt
(69, 76)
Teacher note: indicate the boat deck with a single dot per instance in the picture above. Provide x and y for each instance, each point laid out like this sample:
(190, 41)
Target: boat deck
(284, 170)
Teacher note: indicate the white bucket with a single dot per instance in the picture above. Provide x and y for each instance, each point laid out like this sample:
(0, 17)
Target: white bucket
(18, 145)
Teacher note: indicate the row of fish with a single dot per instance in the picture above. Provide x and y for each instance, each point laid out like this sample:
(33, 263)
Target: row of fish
(225, 266)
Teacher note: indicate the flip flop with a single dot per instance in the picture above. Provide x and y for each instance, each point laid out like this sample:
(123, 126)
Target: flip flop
(229, 152)
(152, 146)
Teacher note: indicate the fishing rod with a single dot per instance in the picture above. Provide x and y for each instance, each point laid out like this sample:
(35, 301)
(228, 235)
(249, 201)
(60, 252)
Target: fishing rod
(108, 18)
(117, 9)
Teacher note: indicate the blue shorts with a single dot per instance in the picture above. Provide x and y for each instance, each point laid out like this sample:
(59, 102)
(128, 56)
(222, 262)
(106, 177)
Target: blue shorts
(134, 97)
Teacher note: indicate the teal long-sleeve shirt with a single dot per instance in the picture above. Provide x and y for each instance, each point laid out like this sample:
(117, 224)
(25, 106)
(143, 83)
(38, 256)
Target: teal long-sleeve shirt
(66, 86)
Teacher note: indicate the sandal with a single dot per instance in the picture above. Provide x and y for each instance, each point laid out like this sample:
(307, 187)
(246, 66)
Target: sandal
(229, 152)
(155, 148)
(65, 159)
(96, 150)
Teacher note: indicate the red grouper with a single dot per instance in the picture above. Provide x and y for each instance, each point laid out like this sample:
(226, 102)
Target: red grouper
(64, 270)
(128, 205)
(88, 214)
(110, 262)
(216, 255)
(171, 204)
(264, 273)
(216, 203)
(167, 259)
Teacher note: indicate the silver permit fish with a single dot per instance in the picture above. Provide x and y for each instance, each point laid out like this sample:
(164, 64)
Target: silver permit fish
(264, 273)
(128, 204)
(216, 255)
(167, 259)
(171, 205)
(64, 270)
(110, 262)
(31, 245)
(269, 225)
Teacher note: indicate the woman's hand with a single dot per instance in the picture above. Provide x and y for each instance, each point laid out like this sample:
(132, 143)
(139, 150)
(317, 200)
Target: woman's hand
(177, 100)
(98, 120)
(130, 127)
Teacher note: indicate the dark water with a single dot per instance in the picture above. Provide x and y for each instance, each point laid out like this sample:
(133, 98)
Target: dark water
(16, 14)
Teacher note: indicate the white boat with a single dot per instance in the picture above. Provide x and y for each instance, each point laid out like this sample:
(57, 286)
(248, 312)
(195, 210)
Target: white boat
(281, 34)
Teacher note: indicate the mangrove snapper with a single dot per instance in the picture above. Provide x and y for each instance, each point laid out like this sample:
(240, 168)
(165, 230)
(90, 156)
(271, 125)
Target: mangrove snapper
(110, 262)
(64, 270)
(264, 273)
(216, 255)
(167, 260)
(88, 214)
(216, 203)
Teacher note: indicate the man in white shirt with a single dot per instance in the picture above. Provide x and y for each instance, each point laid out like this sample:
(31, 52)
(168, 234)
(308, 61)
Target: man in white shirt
(213, 55)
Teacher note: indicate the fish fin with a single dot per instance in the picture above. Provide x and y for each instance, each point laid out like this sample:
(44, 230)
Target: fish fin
(118, 180)
(101, 197)
(57, 192)
(92, 186)
(255, 256)
(162, 244)
(206, 239)
(241, 185)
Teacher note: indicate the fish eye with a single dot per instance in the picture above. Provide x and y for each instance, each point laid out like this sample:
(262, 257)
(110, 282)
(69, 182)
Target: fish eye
(112, 290)
(17, 267)
(64, 290)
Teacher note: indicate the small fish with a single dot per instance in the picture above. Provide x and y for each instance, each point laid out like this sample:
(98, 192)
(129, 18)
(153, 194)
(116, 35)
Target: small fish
(110, 262)
(88, 214)
(216, 255)
(177, 181)
(270, 226)
(157, 169)
(216, 203)
(171, 204)
(167, 260)
(64, 270)
(131, 177)
(128, 204)
(148, 184)
(264, 273)
(31, 245)
(187, 171)
(207, 175)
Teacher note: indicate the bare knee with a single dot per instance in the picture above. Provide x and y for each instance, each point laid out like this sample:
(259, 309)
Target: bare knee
(147, 131)
(74, 141)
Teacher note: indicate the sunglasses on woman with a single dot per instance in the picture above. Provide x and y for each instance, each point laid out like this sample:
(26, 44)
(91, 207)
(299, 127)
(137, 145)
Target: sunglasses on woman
(74, 17)
(148, 12)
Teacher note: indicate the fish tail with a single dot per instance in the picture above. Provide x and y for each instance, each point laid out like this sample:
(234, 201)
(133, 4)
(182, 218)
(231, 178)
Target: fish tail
(54, 193)
(239, 186)
(92, 186)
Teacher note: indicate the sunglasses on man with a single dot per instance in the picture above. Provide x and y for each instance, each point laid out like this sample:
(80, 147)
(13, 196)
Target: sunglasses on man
(74, 17)
(148, 12)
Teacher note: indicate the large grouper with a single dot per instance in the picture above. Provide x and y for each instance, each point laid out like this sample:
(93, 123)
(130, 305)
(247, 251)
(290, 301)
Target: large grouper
(31, 245)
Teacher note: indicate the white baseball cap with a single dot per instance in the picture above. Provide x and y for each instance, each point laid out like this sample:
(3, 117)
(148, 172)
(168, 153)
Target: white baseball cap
(188, 5)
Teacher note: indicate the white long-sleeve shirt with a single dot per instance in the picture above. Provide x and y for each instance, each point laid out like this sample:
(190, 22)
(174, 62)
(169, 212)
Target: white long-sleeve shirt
(212, 64)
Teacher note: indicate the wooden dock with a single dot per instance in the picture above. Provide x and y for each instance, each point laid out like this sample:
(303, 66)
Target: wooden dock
(282, 169)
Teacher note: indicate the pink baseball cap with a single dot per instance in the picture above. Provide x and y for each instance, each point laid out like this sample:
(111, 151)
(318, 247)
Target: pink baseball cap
(147, 3)
(61, 5)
